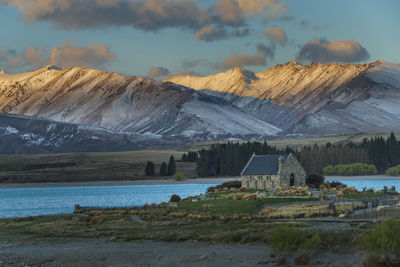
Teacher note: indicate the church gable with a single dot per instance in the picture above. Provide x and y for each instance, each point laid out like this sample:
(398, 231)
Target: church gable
(266, 172)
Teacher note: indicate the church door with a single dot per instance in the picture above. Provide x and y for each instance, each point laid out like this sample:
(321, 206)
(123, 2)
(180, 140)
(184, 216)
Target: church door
(292, 179)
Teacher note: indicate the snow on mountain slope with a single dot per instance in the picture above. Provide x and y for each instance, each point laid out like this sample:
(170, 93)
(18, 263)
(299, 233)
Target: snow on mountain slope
(123, 104)
(312, 96)
(386, 74)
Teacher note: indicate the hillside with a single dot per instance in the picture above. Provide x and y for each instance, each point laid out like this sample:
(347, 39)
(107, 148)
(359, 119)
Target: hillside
(129, 105)
(80, 109)
(314, 99)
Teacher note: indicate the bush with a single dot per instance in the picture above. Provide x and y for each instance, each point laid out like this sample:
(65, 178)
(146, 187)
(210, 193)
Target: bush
(179, 176)
(383, 243)
(175, 198)
(228, 185)
(315, 180)
(394, 171)
(302, 259)
(285, 239)
(351, 169)
(336, 184)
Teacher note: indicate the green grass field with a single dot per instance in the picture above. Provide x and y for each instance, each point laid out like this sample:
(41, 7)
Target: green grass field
(229, 206)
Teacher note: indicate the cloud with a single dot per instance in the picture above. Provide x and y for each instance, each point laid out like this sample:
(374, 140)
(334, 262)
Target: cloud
(212, 33)
(324, 51)
(244, 60)
(268, 51)
(276, 35)
(278, 11)
(150, 15)
(189, 63)
(157, 72)
(69, 54)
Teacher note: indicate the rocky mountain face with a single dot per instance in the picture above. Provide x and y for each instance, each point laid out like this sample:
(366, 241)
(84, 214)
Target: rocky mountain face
(83, 107)
(312, 100)
(126, 105)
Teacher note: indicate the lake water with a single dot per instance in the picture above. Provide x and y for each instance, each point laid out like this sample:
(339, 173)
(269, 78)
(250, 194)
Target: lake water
(374, 184)
(19, 202)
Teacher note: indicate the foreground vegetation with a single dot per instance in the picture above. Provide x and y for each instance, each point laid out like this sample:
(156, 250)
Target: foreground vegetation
(226, 214)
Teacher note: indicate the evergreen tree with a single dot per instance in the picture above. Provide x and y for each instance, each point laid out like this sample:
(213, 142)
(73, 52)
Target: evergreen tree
(184, 158)
(393, 150)
(171, 166)
(150, 169)
(192, 156)
(163, 169)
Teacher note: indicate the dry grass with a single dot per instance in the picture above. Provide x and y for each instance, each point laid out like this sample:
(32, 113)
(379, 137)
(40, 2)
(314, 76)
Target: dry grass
(91, 166)
(305, 210)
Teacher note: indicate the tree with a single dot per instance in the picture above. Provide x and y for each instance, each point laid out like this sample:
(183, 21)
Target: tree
(150, 169)
(163, 169)
(171, 166)
(184, 158)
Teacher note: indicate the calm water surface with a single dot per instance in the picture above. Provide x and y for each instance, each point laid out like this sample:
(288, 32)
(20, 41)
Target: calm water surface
(19, 202)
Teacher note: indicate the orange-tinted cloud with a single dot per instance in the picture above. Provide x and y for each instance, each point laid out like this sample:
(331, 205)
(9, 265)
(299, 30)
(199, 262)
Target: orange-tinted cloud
(157, 72)
(276, 35)
(244, 59)
(69, 54)
(226, 17)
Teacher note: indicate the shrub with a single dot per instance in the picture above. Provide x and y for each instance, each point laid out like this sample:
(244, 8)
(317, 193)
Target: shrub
(175, 198)
(351, 169)
(302, 259)
(383, 243)
(179, 176)
(336, 184)
(315, 180)
(285, 239)
(394, 171)
(227, 185)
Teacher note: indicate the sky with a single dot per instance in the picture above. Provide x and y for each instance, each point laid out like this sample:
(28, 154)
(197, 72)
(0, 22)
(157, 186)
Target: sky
(158, 38)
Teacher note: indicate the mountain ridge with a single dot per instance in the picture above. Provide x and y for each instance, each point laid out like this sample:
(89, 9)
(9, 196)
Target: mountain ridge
(286, 100)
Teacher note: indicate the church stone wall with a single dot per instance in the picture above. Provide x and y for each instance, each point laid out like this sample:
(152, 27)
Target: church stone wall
(269, 182)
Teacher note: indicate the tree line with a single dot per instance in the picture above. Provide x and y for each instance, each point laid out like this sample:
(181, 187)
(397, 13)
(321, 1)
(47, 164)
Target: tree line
(230, 158)
(165, 170)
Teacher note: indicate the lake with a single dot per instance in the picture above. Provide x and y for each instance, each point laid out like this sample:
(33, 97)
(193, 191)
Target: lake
(19, 202)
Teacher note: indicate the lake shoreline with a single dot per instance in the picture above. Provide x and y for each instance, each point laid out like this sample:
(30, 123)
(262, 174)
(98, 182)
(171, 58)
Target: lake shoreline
(361, 178)
(172, 182)
(120, 183)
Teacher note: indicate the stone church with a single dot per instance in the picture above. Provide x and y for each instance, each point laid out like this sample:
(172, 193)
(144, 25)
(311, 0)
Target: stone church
(266, 172)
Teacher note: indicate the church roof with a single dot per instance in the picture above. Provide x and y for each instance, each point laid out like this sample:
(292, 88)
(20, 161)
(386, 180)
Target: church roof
(262, 164)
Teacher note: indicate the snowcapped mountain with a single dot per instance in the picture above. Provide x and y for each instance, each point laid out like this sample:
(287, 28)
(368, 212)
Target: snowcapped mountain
(85, 107)
(314, 99)
(125, 104)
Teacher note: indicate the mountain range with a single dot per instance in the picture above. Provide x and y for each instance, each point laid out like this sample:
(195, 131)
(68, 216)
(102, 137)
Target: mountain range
(84, 109)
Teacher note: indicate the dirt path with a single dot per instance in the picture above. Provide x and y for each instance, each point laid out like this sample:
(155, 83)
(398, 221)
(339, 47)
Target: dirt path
(101, 252)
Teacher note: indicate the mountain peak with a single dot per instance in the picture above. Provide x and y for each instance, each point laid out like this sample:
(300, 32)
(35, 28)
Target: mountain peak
(246, 74)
